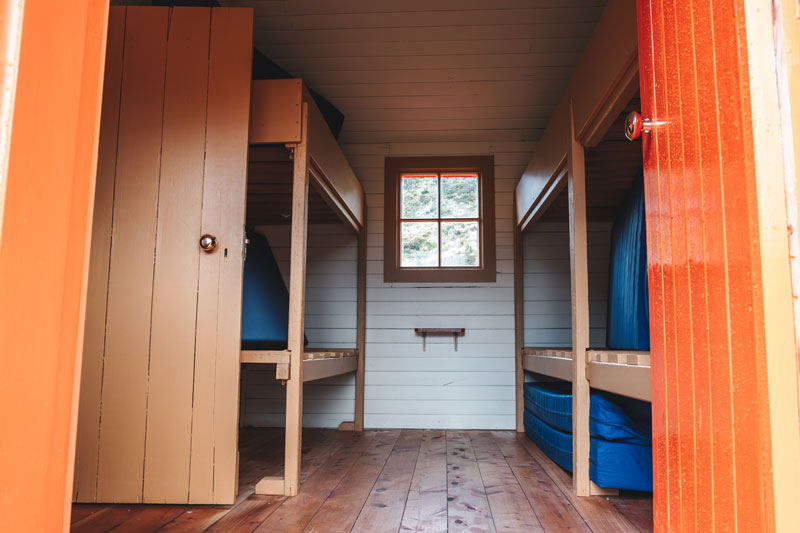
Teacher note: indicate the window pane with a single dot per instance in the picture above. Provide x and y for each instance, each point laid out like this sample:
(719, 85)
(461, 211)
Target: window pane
(419, 197)
(419, 244)
(460, 244)
(459, 196)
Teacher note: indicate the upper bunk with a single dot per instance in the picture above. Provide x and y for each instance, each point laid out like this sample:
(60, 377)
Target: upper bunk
(283, 114)
(588, 126)
(285, 125)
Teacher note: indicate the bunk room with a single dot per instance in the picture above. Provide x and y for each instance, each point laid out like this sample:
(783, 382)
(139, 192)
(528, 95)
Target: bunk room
(335, 288)
(398, 265)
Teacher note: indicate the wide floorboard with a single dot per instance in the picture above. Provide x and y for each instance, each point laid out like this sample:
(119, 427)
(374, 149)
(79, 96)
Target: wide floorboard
(390, 481)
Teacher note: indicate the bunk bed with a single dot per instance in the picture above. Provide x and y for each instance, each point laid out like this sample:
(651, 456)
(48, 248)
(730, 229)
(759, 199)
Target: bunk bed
(296, 173)
(582, 148)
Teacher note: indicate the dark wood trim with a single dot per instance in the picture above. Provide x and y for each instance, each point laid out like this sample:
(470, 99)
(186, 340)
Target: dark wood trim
(484, 166)
(440, 331)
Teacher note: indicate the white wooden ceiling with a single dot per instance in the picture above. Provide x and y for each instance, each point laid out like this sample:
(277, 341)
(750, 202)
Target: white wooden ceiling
(430, 70)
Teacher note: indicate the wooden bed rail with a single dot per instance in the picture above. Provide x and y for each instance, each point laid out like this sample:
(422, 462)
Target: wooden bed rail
(318, 363)
(623, 372)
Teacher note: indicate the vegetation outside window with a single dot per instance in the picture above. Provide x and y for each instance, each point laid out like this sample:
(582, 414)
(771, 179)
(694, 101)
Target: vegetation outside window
(439, 219)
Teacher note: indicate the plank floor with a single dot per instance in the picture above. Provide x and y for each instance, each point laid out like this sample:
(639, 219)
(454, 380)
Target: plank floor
(390, 481)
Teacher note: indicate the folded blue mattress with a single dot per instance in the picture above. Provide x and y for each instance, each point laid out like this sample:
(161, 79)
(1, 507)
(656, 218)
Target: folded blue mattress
(613, 465)
(621, 465)
(557, 445)
(611, 417)
(620, 419)
(551, 402)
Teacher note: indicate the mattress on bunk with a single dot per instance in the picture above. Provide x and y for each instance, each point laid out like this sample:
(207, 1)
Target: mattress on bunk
(620, 419)
(265, 298)
(621, 465)
(613, 465)
(550, 402)
(628, 314)
(611, 417)
(557, 445)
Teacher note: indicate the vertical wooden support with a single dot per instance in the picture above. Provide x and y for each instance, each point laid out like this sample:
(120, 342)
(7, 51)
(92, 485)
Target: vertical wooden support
(579, 282)
(297, 297)
(361, 324)
(519, 321)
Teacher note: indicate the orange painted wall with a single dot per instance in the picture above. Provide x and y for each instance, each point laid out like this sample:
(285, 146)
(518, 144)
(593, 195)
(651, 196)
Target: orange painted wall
(42, 256)
(711, 442)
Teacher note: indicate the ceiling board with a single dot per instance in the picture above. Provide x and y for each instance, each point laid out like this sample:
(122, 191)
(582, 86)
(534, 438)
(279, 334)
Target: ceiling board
(421, 71)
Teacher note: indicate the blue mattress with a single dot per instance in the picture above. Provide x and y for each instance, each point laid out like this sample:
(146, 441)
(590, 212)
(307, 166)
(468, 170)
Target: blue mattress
(265, 299)
(620, 419)
(551, 402)
(611, 417)
(621, 465)
(628, 313)
(556, 444)
(617, 465)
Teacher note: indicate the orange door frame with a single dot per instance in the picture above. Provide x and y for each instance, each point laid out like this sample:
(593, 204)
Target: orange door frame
(51, 137)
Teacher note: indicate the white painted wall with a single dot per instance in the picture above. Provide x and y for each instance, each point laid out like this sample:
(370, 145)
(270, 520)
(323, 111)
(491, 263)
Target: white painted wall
(547, 284)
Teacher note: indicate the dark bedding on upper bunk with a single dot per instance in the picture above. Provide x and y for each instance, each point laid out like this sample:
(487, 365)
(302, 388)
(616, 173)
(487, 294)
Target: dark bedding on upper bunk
(265, 298)
(628, 313)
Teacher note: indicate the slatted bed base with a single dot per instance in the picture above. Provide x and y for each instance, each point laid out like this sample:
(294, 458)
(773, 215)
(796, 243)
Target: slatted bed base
(318, 363)
(624, 372)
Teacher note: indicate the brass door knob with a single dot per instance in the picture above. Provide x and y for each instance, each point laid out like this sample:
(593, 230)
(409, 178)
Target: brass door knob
(208, 243)
(635, 125)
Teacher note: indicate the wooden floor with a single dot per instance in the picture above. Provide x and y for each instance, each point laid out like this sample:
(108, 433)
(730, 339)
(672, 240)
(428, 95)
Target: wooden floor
(378, 481)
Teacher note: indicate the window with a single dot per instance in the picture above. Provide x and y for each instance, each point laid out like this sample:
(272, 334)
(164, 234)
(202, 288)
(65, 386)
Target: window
(439, 219)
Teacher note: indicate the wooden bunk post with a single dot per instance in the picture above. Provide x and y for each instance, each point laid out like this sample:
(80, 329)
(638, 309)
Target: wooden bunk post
(579, 283)
(519, 323)
(297, 300)
(361, 323)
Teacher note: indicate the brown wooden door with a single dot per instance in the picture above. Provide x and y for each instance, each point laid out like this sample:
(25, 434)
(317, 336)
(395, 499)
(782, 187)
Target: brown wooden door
(159, 397)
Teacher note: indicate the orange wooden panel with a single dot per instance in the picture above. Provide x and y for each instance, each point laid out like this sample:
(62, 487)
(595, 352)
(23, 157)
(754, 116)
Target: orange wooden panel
(43, 251)
(710, 429)
(655, 273)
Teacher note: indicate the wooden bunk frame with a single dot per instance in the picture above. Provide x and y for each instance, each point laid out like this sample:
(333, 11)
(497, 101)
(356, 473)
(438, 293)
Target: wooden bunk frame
(282, 112)
(604, 81)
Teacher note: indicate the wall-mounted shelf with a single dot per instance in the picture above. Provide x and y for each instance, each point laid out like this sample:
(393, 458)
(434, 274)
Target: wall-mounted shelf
(455, 332)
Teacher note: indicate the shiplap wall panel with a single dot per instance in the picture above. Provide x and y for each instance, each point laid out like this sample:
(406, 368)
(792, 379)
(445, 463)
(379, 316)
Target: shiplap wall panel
(546, 278)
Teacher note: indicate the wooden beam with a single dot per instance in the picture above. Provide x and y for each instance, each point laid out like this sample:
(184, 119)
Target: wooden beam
(548, 365)
(336, 180)
(519, 325)
(628, 380)
(297, 300)
(314, 369)
(361, 321)
(264, 356)
(579, 282)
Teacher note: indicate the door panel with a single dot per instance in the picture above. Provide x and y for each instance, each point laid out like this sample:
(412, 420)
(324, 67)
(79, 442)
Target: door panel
(710, 413)
(162, 356)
